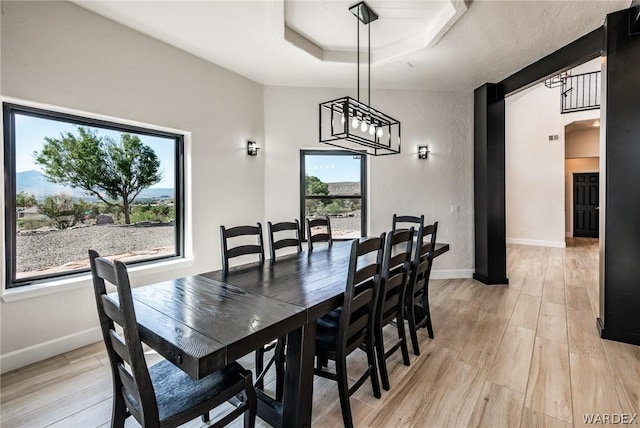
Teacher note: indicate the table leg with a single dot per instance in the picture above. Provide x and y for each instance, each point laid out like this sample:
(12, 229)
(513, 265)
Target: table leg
(298, 379)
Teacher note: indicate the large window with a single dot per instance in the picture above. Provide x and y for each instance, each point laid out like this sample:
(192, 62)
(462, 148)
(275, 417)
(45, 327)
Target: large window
(74, 183)
(333, 183)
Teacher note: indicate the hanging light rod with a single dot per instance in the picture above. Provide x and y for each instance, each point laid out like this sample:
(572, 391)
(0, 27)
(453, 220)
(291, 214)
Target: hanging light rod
(350, 123)
(363, 12)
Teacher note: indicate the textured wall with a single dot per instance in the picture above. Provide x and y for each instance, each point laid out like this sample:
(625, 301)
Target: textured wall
(401, 183)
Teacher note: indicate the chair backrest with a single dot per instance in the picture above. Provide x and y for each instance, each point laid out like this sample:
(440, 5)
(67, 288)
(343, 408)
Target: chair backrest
(414, 221)
(422, 259)
(284, 242)
(361, 292)
(395, 273)
(241, 250)
(323, 235)
(133, 383)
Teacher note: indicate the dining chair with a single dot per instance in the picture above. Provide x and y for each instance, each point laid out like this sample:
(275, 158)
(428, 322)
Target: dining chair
(412, 220)
(417, 294)
(395, 272)
(293, 227)
(291, 239)
(324, 235)
(347, 328)
(244, 249)
(161, 395)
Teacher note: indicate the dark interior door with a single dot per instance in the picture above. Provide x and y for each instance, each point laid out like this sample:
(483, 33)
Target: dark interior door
(585, 204)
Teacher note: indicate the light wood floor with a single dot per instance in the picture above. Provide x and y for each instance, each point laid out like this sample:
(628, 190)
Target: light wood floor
(525, 355)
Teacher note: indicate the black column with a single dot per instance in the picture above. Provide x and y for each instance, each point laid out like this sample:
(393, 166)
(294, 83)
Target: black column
(489, 188)
(620, 292)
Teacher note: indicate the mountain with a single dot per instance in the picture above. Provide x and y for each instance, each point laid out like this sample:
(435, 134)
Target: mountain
(35, 183)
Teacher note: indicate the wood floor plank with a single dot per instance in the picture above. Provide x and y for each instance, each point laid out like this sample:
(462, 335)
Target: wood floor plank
(624, 361)
(553, 291)
(416, 389)
(552, 322)
(594, 390)
(449, 405)
(497, 406)
(512, 362)
(533, 284)
(549, 387)
(583, 335)
(577, 298)
(533, 419)
(525, 313)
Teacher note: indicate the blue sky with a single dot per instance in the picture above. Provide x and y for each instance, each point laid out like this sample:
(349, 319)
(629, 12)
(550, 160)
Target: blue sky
(31, 131)
(332, 169)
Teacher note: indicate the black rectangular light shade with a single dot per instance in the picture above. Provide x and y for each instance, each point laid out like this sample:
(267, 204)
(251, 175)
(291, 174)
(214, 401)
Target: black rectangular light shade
(363, 12)
(336, 128)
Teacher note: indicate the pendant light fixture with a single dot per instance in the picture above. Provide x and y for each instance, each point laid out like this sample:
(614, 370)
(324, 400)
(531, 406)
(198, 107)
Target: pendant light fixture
(351, 124)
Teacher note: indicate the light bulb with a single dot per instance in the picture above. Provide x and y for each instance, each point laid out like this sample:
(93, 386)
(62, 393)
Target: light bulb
(364, 126)
(380, 132)
(372, 130)
(355, 123)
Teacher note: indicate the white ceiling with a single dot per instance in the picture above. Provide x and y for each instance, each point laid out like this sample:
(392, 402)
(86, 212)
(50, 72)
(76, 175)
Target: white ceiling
(462, 47)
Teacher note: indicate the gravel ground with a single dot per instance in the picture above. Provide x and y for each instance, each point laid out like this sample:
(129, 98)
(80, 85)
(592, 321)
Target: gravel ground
(67, 249)
(40, 251)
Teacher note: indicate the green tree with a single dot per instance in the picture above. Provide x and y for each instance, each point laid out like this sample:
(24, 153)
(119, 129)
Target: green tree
(63, 211)
(315, 186)
(114, 172)
(25, 200)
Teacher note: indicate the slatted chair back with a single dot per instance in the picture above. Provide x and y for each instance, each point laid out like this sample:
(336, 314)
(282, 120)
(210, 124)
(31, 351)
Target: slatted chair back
(323, 235)
(292, 227)
(133, 382)
(363, 286)
(418, 288)
(404, 222)
(244, 249)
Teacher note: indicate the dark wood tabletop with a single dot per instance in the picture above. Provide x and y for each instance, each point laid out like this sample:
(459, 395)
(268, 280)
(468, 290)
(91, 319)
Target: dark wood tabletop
(201, 323)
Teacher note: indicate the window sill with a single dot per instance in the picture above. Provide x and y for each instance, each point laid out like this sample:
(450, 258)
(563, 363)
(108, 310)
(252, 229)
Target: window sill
(67, 284)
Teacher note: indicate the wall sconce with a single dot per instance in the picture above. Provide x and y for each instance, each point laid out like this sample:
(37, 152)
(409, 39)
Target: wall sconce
(252, 148)
(423, 152)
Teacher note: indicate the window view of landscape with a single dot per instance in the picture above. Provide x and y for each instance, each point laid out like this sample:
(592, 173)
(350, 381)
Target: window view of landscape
(333, 188)
(81, 187)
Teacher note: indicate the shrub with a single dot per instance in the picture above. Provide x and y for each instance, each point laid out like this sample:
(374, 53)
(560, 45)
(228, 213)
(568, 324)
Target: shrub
(33, 222)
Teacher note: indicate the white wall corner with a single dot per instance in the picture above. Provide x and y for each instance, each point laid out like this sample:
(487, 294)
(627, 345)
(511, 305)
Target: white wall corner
(41, 351)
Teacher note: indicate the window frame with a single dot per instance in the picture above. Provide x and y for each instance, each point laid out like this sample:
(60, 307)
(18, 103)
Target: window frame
(9, 110)
(363, 187)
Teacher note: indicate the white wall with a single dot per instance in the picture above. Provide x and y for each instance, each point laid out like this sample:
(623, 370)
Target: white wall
(400, 184)
(583, 143)
(60, 54)
(535, 200)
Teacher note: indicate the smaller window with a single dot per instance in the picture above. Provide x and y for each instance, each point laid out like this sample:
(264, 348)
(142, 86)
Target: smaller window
(333, 183)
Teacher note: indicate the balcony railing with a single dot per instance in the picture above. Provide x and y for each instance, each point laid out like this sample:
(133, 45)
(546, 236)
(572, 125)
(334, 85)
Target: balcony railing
(581, 92)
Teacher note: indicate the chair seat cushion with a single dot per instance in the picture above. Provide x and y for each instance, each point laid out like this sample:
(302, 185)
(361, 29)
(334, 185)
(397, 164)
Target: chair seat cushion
(327, 329)
(177, 392)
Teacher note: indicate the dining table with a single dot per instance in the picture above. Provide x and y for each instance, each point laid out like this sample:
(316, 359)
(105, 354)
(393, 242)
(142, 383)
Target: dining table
(203, 322)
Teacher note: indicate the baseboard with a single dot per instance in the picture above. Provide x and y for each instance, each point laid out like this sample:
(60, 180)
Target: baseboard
(490, 281)
(32, 354)
(451, 273)
(537, 243)
(618, 336)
